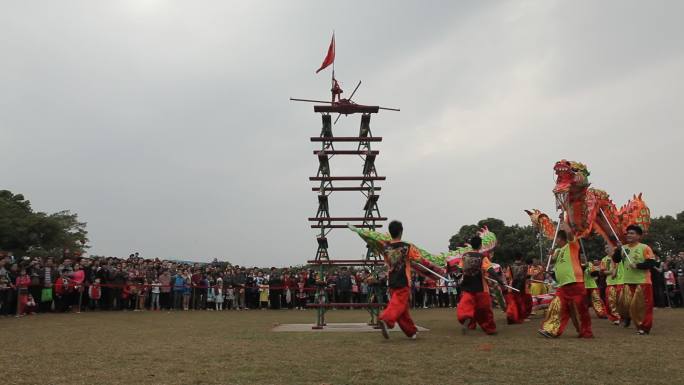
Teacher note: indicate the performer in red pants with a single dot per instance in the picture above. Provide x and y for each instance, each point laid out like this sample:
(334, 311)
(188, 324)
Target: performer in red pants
(398, 256)
(637, 260)
(475, 306)
(569, 301)
(517, 306)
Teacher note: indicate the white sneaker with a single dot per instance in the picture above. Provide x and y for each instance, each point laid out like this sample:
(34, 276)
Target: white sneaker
(414, 336)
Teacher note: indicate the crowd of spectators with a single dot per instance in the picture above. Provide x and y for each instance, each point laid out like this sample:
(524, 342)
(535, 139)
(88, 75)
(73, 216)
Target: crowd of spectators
(35, 285)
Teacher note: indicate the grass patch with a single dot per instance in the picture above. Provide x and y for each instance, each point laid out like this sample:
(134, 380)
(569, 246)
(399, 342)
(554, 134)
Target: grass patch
(238, 348)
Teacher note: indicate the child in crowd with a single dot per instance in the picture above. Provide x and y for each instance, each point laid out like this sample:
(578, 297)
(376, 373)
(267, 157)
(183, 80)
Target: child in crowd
(186, 293)
(263, 295)
(218, 294)
(156, 289)
(95, 293)
(230, 298)
(22, 284)
(142, 295)
(210, 293)
(301, 294)
(126, 295)
(30, 305)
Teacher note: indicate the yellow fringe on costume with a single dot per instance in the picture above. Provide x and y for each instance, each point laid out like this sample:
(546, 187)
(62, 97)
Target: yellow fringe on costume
(551, 323)
(624, 302)
(613, 300)
(597, 304)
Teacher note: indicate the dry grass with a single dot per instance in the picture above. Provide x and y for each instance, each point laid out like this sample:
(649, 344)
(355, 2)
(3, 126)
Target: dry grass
(238, 348)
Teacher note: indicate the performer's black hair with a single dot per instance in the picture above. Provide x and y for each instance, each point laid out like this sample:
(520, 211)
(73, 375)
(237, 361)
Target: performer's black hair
(395, 229)
(476, 242)
(636, 228)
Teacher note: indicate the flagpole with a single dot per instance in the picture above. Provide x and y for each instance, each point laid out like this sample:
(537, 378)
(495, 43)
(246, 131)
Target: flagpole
(332, 81)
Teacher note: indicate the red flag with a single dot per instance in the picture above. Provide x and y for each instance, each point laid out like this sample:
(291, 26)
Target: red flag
(330, 57)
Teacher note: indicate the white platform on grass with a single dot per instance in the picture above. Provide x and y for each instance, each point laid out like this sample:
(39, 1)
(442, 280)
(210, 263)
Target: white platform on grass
(336, 327)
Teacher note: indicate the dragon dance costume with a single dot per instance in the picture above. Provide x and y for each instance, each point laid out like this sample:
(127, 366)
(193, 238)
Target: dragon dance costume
(537, 287)
(569, 302)
(398, 256)
(518, 304)
(475, 306)
(589, 211)
(593, 296)
(636, 300)
(614, 282)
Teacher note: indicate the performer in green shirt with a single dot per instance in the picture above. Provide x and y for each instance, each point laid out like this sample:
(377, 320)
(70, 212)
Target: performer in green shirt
(571, 293)
(614, 282)
(638, 290)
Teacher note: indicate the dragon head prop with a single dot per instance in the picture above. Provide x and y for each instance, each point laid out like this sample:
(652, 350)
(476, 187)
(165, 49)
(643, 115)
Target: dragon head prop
(542, 222)
(570, 176)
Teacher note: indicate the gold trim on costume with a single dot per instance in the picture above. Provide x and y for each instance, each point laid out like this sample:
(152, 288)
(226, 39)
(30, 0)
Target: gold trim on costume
(637, 308)
(597, 304)
(612, 300)
(551, 322)
(624, 302)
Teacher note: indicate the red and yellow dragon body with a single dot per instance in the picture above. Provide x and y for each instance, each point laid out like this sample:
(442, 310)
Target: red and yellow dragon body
(587, 210)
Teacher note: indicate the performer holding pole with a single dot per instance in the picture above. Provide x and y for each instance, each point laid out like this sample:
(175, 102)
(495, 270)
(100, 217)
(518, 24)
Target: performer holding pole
(571, 291)
(475, 306)
(638, 289)
(398, 256)
(591, 272)
(614, 273)
(517, 309)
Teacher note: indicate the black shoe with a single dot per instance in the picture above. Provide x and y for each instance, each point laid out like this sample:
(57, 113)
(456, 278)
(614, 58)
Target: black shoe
(465, 326)
(383, 329)
(544, 333)
(626, 322)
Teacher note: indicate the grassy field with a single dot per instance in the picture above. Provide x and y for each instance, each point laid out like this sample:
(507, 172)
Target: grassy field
(239, 348)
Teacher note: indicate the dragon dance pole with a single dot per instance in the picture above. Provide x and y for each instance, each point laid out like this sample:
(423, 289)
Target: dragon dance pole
(506, 286)
(555, 238)
(616, 236)
(432, 272)
(584, 252)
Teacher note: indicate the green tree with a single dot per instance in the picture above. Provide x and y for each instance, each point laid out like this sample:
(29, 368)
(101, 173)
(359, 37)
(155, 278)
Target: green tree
(666, 235)
(511, 240)
(25, 232)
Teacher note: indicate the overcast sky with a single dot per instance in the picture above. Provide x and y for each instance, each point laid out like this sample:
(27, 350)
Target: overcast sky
(166, 125)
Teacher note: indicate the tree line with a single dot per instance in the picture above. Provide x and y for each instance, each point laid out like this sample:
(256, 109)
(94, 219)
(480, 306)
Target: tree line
(25, 232)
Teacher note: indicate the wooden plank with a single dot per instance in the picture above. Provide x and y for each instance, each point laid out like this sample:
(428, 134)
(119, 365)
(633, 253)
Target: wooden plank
(346, 219)
(332, 178)
(346, 139)
(345, 189)
(345, 152)
(347, 108)
(343, 226)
